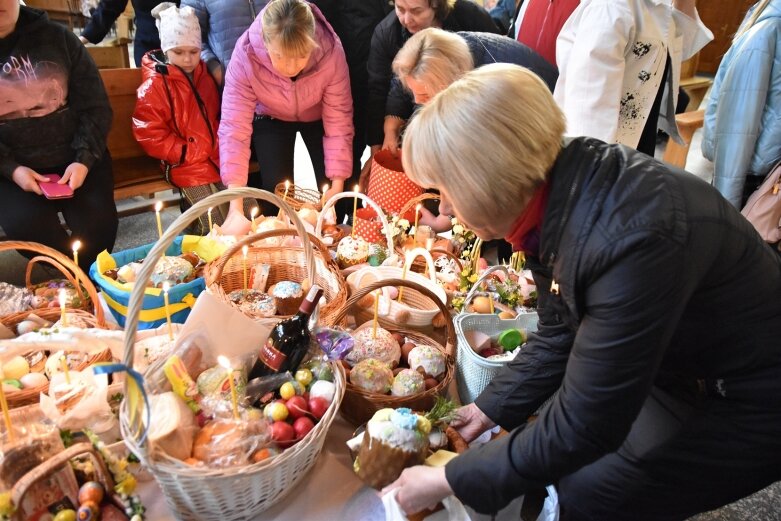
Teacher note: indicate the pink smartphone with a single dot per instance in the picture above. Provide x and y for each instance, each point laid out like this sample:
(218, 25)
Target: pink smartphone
(52, 190)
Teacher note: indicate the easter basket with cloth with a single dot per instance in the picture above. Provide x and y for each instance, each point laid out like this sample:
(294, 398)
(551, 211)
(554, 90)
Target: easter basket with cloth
(359, 405)
(309, 263)
(34, 319)
(181, 296)
(475, 372)
(198, 492)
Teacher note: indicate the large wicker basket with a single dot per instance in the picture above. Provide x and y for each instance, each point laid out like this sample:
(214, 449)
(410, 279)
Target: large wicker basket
(298, 196)
(359, 405)
(382, 222)
(297, 264)
(474, 372)
(82, 283)
(231, 494)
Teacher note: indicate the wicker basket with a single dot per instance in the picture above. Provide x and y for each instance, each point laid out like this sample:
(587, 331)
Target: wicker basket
(286, 263)
(419, 264)
(77, 277)
(473, 371)
(359, 405)
(57, 462)
(227, 494)
(298, 196)
(383, 221)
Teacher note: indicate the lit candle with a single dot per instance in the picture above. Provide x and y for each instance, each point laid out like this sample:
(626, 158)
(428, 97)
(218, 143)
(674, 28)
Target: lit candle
(284, 199)
(376, 309)
(166, 287)
(4, 405)
(223, 361)
(63, 300)
(253, 213)
(158, 207)
(244, 252)
(76, 246)
(417, 215)
(325, 191)
(209, 213)
(355, 208)
(65, 370)
(403, 277)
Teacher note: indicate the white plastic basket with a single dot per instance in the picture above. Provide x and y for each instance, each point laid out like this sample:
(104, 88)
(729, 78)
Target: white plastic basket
(231, 494)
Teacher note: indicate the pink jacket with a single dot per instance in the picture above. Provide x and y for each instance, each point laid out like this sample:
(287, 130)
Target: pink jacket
(321, 91)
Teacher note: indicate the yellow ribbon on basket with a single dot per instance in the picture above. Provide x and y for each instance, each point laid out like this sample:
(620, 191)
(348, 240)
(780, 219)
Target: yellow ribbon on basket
(137, 400)
(152, 315)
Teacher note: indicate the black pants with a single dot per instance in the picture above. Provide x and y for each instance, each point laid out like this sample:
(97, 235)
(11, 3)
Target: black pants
(274, 141)
(681, 459)
(90, 214)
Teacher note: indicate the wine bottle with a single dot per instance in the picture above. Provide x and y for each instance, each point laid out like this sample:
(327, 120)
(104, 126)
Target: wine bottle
(289, 340)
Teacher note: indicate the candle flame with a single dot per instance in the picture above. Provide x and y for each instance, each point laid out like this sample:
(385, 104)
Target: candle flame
(158, 206)
(210, 209)
(357, 188)
(166, 286)
(63, 298)
(223, 361)
(253, 212)
(325, 188)
(418, 207)
(76, 245)
(245, 250)
(287, 184)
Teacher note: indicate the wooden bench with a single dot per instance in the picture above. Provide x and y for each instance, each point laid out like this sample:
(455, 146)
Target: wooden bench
(110, 55)
(688, 123)
(65, 11)
(135, 173)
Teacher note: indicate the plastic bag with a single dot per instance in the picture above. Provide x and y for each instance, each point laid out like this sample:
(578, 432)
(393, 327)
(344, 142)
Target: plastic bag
(454, 509)
(550, 508)
(78, 404)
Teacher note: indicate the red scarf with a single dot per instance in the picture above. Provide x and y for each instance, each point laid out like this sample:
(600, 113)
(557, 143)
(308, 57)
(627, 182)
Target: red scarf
(525, 233)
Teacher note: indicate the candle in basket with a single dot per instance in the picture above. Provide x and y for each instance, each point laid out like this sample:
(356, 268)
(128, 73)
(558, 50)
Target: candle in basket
(223, 361)
(253, 213)
(76, 246)
(325, 191)
(4, 405)
(244, 251)
(403, 277)
(166, 287)
(417, 216)
(284, 199)
(376, 309)
(209, 213)
(158, 207)
(65, 369)
(63, 298)
(355, 208)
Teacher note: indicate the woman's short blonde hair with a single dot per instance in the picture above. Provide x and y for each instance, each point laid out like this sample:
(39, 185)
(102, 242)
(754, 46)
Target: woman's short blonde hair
(290, 24)
(488, 140)
(435, 57)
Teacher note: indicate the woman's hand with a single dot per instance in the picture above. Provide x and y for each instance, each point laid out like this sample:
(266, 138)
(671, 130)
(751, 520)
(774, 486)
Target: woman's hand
(391, 143)
(337, 187)
(235, 222)
(440, 223)
(471, 422)
(74, 175)
(420, 488)
(28, 179)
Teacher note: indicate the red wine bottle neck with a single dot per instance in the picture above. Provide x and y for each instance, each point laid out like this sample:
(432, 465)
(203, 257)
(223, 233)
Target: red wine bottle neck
(310, 302)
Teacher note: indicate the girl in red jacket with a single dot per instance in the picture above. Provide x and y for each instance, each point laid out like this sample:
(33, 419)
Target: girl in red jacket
(177, 112)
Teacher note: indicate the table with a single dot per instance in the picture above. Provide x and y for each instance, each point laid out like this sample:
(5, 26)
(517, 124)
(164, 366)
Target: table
(330, 491)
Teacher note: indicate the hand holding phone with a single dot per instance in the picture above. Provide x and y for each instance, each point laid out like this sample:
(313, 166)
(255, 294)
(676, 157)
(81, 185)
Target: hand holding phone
(53, 190)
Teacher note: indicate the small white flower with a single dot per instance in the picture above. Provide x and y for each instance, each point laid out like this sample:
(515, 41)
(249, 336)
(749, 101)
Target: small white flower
(458, 229)
(404, 223)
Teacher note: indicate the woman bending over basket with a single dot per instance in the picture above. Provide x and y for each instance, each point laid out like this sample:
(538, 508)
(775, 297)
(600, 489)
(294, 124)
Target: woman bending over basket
(660, 348)
(288, 74)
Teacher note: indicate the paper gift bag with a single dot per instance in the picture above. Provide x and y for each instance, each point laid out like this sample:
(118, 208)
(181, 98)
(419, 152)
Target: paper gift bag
(389, 186)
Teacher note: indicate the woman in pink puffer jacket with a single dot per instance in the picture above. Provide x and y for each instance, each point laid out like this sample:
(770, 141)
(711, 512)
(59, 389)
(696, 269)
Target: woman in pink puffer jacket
(288, 74)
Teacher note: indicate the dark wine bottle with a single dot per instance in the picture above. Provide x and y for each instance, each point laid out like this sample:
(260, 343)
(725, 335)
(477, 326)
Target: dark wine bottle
(289, 340)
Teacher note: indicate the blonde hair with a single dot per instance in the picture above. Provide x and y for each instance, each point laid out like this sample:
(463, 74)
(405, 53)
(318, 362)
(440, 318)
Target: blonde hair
(758, 8)
(441, 8)
(291, 25)
(438, 56)
(488, 140)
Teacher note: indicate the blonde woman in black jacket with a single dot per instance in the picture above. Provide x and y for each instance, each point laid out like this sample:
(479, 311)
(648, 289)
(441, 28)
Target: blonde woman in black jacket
(659, 317)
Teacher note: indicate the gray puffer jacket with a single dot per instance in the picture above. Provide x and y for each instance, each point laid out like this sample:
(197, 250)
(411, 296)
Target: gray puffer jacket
(222, 23)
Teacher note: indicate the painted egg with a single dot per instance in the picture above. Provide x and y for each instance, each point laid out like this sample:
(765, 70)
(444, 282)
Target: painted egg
(91, 491)
(88, 511)
(482, 305)
(32, 380)
(15, 368)
(65, 515)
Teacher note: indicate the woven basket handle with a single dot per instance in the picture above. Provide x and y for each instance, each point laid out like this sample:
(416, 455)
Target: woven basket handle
(48, 467)
(425, 196)
(369, 288)
(363, 197)
(414, 253)
(64, 265)
(46, 260)
(215, 275)
(483, 278)
(134, 432)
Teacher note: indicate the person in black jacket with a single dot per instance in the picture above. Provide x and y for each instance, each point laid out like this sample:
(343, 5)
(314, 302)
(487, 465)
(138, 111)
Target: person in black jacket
(433, 59)
(659, 317)
(146, 37)
(54, 119)
(409, 17)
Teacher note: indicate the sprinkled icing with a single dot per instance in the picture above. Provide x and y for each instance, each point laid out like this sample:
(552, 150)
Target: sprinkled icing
(400, 428)
(253, 301)
(287, 289)
(372, 375)
(429, 358)
(408, 382)
(171, 269)
(383, 348)
(353, 248)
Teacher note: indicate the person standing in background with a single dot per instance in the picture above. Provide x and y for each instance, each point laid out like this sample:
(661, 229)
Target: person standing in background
(146, 37)
(616, 59)
(222, 23)
(742, 130)
(539, 23)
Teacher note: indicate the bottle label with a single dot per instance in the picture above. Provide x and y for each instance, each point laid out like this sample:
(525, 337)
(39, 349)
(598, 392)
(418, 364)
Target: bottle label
(271, 356)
